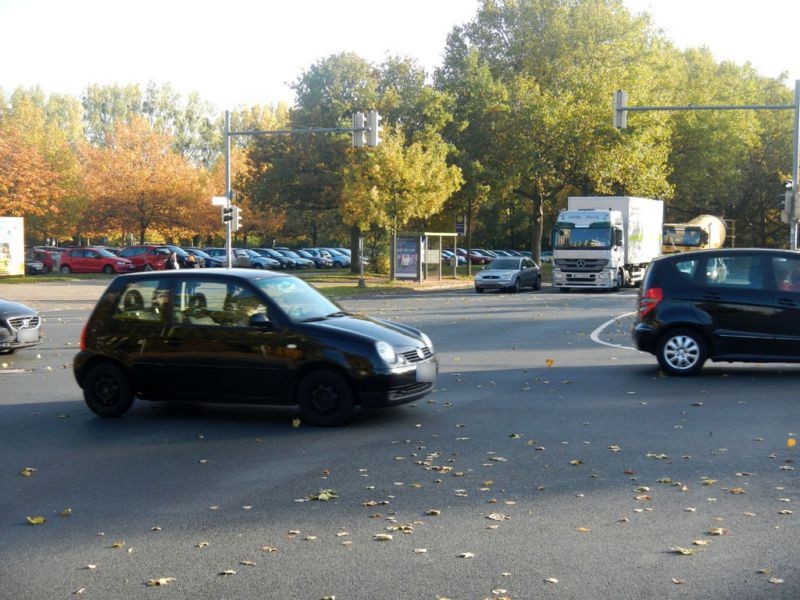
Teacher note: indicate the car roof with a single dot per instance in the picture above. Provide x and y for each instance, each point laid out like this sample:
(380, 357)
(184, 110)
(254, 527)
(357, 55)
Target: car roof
(236, 273)
(723, 252)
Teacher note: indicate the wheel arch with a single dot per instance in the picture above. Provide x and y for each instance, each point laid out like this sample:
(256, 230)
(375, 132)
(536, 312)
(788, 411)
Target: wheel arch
(321, 365)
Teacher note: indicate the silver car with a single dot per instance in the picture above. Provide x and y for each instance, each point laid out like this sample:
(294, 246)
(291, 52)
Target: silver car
(509, 273)
(20, 326)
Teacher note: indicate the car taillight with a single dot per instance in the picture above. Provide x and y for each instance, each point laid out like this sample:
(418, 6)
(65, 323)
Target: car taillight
(650, 299)
(83, 336)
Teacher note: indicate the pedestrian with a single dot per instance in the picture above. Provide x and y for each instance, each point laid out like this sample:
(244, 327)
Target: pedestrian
(172, 261)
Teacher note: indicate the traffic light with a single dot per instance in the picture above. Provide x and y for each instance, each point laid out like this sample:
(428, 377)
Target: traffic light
(236, 225)
(359, 131)
(227, 214)
(373, 128)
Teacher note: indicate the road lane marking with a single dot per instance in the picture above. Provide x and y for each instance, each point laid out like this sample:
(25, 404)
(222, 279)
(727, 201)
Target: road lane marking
(595, 336)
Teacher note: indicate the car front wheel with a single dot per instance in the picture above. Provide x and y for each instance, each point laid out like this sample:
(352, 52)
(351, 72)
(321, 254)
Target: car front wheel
(681, 352)
(65, 269)
(325, 399)
(538, 283)
(106, 390)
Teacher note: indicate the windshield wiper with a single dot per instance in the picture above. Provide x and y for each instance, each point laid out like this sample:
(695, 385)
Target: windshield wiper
(339, 313)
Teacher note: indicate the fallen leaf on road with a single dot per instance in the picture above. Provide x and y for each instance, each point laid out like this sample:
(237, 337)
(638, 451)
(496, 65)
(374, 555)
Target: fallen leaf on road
(35, 520)
(159, 581)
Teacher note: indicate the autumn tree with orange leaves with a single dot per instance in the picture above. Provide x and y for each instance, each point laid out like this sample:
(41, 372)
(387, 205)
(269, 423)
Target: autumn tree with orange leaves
(138, 184)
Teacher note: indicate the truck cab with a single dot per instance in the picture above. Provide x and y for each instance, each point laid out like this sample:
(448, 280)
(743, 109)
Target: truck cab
(587, 249)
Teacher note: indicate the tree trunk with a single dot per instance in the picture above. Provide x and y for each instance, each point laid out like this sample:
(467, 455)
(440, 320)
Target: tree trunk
(355, 262)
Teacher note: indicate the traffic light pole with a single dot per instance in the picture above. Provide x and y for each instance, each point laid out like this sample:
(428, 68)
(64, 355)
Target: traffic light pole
(621, 110)
(373, 139)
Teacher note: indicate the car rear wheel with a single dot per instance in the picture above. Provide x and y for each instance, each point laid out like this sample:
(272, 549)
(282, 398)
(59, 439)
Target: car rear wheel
(325, 399)
(479, 290)
(681, 352)
(106, 390)
(537, 285)
(65, 269)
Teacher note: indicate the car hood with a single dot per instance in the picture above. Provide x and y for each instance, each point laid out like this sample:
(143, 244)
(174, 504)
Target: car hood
(368, 328)
(7, 307)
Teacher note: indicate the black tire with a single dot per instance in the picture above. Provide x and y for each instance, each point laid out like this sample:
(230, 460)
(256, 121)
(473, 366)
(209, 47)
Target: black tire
(537, 285)
(325, 399)
(563, 290)
(7, 351)
(681, 352)
(108, 269)
(479, 290)
(258, 266)
(65, 269)
(46, 270)
(106, 390)
(516, 288)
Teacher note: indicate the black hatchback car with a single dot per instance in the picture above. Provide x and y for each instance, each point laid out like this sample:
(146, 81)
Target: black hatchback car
(729, 305)
(245, 336)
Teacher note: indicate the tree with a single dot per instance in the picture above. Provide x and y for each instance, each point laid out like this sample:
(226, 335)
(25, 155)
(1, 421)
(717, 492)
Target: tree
(137, 182)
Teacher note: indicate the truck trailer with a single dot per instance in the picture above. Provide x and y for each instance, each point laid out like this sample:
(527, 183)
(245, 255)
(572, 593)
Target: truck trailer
(605, 242)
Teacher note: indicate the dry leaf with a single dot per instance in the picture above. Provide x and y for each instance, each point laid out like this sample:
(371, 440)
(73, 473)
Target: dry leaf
(583, 529)
(66, 512)
(420, 550)
(159, 581)
(677, 581)
(718, 531)
(434, 512)
(383, 537)
(201, 545)
(683, 551)
(269, 549)
(35, 520)
(247, 563)
(498, 517)
(466, 555)
(27, 471)
(551, 580)
(549, 362)
(296, 423)
(227, 572)
(701, 542)
(775, 580)
(737, 490)
(119, 544)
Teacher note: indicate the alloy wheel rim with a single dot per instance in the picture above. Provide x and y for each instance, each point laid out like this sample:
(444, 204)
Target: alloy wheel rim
(682, 352)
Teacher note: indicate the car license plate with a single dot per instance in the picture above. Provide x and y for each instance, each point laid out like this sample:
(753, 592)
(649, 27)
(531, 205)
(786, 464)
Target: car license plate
(27, 335)
(426, 372)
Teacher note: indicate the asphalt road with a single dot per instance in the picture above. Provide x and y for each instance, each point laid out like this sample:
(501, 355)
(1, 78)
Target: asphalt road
(552, 461)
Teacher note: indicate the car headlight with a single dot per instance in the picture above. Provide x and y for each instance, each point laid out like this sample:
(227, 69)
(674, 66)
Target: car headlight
(386, 352)
(505, 275)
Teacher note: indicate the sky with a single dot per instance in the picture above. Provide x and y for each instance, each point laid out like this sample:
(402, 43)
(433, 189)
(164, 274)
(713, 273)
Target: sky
(246, 52)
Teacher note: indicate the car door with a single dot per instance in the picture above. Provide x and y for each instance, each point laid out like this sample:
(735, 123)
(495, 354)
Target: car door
(528, 272)
(214, 351)
(786, 295)
(733, 292)
(92, 261)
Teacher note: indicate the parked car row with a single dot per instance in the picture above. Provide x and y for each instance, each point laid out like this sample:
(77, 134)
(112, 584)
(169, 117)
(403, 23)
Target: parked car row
(153, 257)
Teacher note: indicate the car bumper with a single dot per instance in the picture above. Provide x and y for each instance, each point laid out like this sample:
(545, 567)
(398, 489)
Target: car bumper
(645, 337)
(494, 284)
(398, 386)
(23, 338)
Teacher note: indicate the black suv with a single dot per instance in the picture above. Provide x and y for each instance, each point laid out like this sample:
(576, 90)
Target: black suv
(249, 336)
(727, 305)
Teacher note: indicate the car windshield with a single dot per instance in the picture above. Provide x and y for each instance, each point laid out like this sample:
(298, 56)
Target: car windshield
(290, 253)
(505, 264)
(105, 253)
(584, 237)
(300, 301)
(199, 253)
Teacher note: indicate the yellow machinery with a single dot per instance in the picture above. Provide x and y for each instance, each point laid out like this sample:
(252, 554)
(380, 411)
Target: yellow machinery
(702, 232)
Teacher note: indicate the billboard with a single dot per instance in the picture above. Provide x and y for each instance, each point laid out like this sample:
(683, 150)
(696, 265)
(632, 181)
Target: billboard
(12, 246)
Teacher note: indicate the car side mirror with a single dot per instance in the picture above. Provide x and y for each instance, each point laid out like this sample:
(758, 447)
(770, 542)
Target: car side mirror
(260, 320)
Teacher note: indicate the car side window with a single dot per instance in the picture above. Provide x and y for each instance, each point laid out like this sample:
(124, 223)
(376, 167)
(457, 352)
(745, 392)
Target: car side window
(735, 272)
(787, 273)
(216, 303)
(144, 301)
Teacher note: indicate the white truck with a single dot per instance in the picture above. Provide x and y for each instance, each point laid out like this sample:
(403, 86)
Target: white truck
(605, 241)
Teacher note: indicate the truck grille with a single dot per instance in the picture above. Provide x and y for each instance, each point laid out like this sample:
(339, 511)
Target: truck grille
(582, 264)
(18, 323)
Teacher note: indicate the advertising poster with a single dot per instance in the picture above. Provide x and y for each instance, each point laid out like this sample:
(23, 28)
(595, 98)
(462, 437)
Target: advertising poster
(407, 261)
(12, 246)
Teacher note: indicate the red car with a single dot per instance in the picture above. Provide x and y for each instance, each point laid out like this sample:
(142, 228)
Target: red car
(146, 257)
(93, 260)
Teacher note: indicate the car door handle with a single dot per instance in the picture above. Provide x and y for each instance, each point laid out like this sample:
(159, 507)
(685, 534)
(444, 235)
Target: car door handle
(710, 296)
(786, 302)
(173, 342)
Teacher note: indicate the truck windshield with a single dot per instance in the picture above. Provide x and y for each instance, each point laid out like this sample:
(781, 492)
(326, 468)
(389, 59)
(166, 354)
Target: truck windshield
(585, 237)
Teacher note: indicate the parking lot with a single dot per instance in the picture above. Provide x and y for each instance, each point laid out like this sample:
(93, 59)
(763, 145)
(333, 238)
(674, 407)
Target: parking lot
(552, 460)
